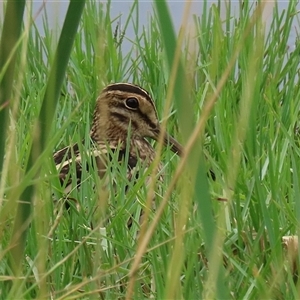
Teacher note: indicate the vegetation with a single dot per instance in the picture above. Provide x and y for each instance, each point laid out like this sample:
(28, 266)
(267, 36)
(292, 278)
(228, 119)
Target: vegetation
(226, 87)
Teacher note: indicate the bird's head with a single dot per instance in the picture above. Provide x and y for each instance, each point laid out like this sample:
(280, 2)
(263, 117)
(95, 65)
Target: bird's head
(123, 108)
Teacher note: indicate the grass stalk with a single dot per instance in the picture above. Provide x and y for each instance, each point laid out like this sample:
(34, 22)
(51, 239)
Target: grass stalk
(226, 87)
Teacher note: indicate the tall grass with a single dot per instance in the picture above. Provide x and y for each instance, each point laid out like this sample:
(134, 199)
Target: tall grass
(228, 89)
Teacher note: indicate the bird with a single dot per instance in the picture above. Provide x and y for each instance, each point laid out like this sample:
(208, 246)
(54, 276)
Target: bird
(122, 110)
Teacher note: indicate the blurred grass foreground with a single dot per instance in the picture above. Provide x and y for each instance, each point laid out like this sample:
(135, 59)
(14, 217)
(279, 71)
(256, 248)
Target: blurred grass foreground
(225, 85)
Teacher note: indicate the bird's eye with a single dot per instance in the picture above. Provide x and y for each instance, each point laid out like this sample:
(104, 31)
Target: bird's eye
(132, 103)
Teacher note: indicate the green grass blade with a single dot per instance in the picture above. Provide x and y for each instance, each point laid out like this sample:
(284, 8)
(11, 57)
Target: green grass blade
(58, 69)
(11, 32)
(53, 88)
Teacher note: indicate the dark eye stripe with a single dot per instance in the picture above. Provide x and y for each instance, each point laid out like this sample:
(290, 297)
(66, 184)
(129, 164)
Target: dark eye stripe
(148, 121)
(120, 117)
(125, 119)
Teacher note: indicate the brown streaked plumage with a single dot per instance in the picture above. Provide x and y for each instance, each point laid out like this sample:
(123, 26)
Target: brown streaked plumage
(120, 108)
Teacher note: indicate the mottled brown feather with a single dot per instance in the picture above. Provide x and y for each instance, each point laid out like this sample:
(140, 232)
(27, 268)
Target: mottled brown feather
(113, 120)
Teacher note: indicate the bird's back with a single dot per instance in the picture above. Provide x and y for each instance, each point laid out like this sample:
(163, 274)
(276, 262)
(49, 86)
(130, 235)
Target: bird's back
(138, 153)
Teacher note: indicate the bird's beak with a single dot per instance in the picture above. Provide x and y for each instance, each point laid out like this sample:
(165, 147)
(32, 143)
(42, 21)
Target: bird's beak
(175, 146)
(169, 141)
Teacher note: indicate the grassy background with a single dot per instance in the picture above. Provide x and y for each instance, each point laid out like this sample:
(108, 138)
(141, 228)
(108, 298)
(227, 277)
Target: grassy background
(229, 92)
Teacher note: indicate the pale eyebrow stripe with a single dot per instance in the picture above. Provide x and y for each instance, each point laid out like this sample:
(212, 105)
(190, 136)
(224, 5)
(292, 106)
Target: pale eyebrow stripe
(130, 88)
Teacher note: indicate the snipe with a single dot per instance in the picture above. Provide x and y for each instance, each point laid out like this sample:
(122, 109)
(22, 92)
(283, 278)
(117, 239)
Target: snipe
(121, 109)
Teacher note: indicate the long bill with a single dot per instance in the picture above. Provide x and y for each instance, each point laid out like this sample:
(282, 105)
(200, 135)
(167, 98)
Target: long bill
(174, 145)
(168, 140)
